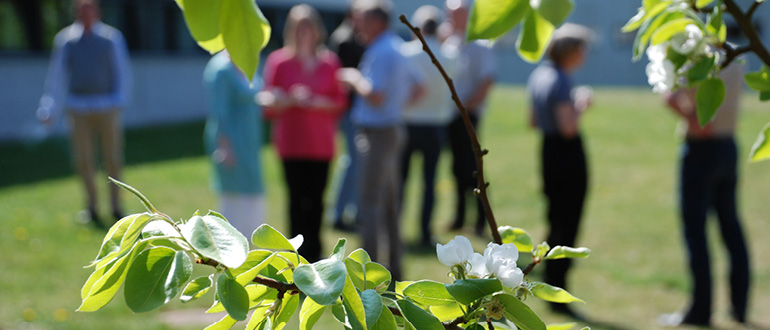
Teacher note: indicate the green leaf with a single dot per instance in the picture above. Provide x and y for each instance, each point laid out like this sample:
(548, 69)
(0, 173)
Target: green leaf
(233, 297)
(372, 306)
(245, 31)
(519, 313)
(761, 148)
(560, 252)
(703, 3)
(759, 80)
(267, 237)
(360, 255)
(517, 236)
(715, 23)
(224, 323)
(356, 273)
(541, 250)
(468, 291)
(764, 96)
(553, 294)
(700, 70)
(159, 228)
(259, 321)
(121, 237)
(323, 281)
(202, 18)
(215, 238)
(386, 321)
(377, 276)
(668, 30)
(146, 202)
(534, 37)
(354, 308)
(648, 28)
(401, 285)
(561, 326)
(155, 277)
(309, 314)
(255, 263)
(288, 308)
(645, 14)
(429, 293)
(196, 288)
(446, 312)
(490, 19)
(554, 11)
(710, 95)
(418, 317)
(339, 250)
(104, 282)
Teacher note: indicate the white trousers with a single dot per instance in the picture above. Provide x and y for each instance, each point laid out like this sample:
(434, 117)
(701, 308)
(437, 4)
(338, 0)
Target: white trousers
(245, 212)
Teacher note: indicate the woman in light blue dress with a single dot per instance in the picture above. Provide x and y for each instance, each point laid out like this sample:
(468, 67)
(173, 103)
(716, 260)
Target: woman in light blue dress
(233, 139)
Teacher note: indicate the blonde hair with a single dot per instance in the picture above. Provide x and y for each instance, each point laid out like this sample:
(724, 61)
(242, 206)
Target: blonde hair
(296, 15)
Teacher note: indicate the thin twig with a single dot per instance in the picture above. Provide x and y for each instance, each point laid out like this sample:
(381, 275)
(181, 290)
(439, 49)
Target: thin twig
(481, 190)
(531, 266)
(733, 53)
(744, 22)
(753, 8)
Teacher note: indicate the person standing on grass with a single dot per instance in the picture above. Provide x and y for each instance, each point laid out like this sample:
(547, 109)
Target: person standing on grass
(428, 119)
(304, 99)
(89, 76)
(708, 181)
(233, 140)
(476, 67)
(386, 84)
(346, 44)
(556, 113)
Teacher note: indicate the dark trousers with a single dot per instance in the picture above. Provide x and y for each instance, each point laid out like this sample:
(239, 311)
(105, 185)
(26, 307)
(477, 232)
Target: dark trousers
(463, 166)
(708, 181)
(427, 140)
(306, 181)
(565, 182)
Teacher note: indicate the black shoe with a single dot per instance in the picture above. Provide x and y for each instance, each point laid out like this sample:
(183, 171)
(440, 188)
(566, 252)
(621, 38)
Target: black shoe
(94, 220)
(118, 214)
(456, 225)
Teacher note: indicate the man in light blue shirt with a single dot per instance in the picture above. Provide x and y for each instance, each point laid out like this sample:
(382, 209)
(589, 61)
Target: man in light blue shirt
(386, 83)
(89, 77)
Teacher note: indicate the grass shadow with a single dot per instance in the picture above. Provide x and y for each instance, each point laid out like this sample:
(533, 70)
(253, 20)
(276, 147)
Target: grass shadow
(30, 162)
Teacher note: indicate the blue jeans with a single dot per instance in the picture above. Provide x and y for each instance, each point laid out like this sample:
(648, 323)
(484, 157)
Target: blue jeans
(708, 182)
(348, 189)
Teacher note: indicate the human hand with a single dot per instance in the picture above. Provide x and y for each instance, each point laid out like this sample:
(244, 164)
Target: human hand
(274, 98)
(349, 76)
(300, 94)
(583, 96)
(44, 117)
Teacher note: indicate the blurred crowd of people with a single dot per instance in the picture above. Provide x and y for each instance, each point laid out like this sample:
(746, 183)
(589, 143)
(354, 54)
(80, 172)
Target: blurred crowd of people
(390, 103)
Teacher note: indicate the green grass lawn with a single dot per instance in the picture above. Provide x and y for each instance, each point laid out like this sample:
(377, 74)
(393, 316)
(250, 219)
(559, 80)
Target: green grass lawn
(636, 272)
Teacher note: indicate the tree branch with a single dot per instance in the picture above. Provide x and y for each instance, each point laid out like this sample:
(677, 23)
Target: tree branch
(481, 190)
(733, 53)
(752, 9)
(531, 266)
(744, 22)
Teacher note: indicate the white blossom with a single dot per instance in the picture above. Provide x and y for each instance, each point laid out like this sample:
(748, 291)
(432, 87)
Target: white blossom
(510, 276)
(685, 42)
(477, 266)
(457, 252)
(661, 76)
(657, 53)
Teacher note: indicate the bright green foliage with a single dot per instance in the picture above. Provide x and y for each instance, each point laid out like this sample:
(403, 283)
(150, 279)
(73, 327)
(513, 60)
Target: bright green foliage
(554, 11)
(468, 291)
(708, 98)
(155, 277)
(519, 313)
(309, 314)
(517, 236)
(202, 18)
(104, 282)
(429, 293)
(215, 238)
(233, 297)
(224, 323)
(761, 148)
(552, 293)
(418, 317)
(559, 252)
(120, 238)
(360, 255)
(447, 312)
(759, 80)
(561, 326)
(256, 261)
(245, 31)
(369, 275)
(535, 35)
(339, 250)
(386, 321)
(267, 237)
(490, 19)
(700, 70)
(323, 281)
(353, 306)
(196, 288)
(670, 28)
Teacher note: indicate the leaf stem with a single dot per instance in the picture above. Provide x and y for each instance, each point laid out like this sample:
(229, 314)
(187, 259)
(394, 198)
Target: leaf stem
(481, 190)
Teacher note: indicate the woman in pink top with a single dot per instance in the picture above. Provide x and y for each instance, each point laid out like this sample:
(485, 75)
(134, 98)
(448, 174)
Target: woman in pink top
(304, 100)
